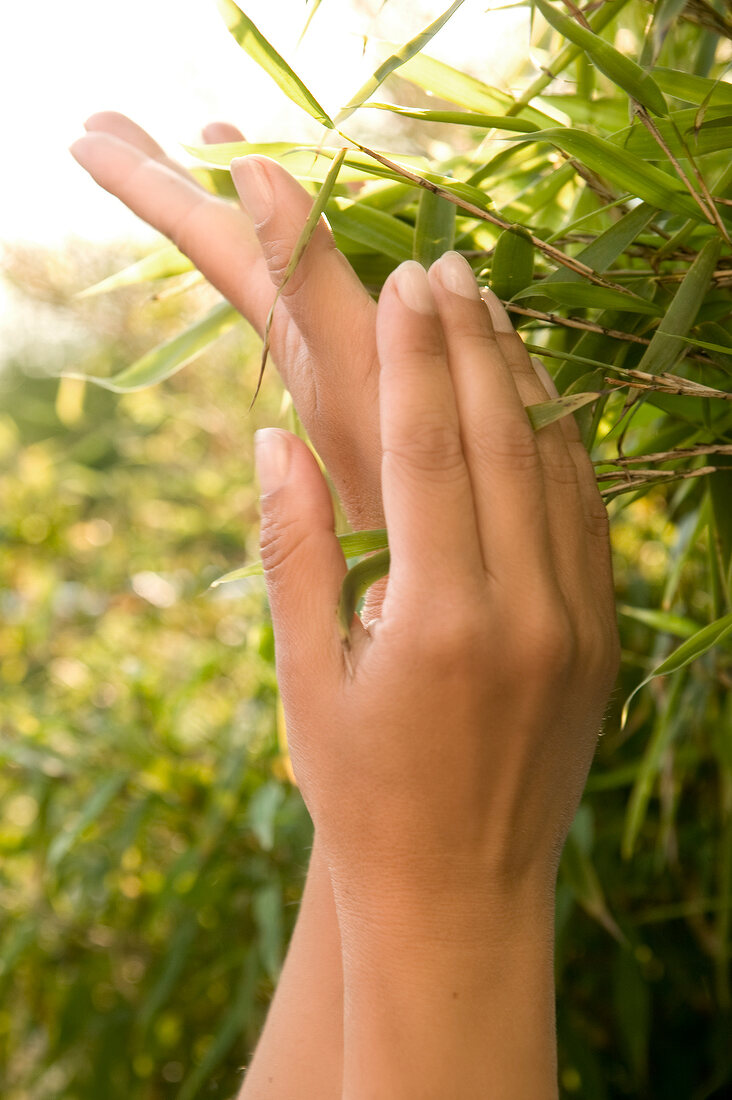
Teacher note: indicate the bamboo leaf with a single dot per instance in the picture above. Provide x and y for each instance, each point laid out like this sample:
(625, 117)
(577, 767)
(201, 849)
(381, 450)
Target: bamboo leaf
(609, 245)
(624, 72)
(442, 80)
(434, 230)
(376, 229)
(162, 264)
(548, 411)
(512, 267)
(665, 347)
(261, 51)
(356, 582)
(693, 89)
(311, 223)
(688, 651)
(168, 358)
(623, 169)
(353, 545)
(663, 621)
(459, 118)
(583, 295)
(309, 163)
(396, 60)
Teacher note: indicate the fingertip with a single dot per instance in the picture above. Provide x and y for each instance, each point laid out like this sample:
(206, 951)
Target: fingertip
(215, 133)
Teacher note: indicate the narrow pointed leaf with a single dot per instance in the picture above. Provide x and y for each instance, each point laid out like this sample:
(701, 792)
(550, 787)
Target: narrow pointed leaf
(512, 266)
(260, 50)
(609, 245)
(396, 60)
(434, 231)
(665, 347)
(162, 264)
(92, 809)
(460, 118)
(353, 545)
(624, 170)
(584, 295)
(688, 651)
(375, 229)
(693, 89)
(624, 72)
(170, 357)
(356, 582)
(548, 411)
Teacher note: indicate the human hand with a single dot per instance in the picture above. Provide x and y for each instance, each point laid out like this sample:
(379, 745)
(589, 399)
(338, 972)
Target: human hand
(324, 319)
(457, 750)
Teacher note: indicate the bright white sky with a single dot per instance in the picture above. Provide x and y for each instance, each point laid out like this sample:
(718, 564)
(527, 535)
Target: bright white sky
(172, 66)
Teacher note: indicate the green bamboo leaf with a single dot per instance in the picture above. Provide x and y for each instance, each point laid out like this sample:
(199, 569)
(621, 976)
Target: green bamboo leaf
(311, 223)
(90, 811)
(693, 89)
(162, 264)
(627, 74)
(353, 545)
(170, 357)
(584, 295)
(610, 114)
(373, 228)
(663, 621)
(666, 726)
(512, 266)
(666, 347)
(681, 135)
(396, 60)
(609, 245)
(442, 80)
(688, 651)
(548, 411)
(665, 12)
(623, 169)
(261, 51)
(434, 230)
(356, 582)
(459, 118)
(579, 874)
(307, 163)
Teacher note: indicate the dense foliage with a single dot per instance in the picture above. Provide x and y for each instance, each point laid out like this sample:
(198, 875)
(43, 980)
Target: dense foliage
(152, 845)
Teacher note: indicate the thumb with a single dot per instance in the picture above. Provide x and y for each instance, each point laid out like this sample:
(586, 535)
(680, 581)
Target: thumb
(303, 562)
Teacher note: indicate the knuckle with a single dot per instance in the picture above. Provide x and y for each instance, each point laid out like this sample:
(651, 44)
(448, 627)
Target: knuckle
(454, 637)
(428, 446)
(550, 641)
(509, 443)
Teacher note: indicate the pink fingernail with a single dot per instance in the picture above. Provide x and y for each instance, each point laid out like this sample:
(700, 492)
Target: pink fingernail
(272, 456)
(499, 317)
(252, 183)
(413, 287)
(455, 274)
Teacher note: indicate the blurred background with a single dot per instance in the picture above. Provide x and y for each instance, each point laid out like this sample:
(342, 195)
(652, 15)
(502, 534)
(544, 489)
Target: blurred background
(152, 846)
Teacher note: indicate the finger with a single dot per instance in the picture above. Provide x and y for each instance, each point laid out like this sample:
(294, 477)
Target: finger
(214, 234)
(335, 386)
(219, 133)
(559, 470)
(498, 442)
(122, 127)
(428, 497)
(593, 507)
(303, 562)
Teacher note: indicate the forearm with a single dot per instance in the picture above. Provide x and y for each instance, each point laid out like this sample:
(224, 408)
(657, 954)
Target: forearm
(300, 1052)
(451, 1009)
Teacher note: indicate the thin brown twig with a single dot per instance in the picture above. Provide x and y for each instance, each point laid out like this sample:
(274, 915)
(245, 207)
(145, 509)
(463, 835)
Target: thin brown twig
(666, 382)
(654, 477)
(667, 456)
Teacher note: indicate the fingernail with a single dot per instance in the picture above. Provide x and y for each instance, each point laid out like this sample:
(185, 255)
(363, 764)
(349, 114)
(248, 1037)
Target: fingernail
(252, 183)
(413, 287)
(272, 456)
(545, 377)
(499, 317)
(455, 274)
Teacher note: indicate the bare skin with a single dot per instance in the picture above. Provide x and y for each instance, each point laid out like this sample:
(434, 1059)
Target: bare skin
(324, 321)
